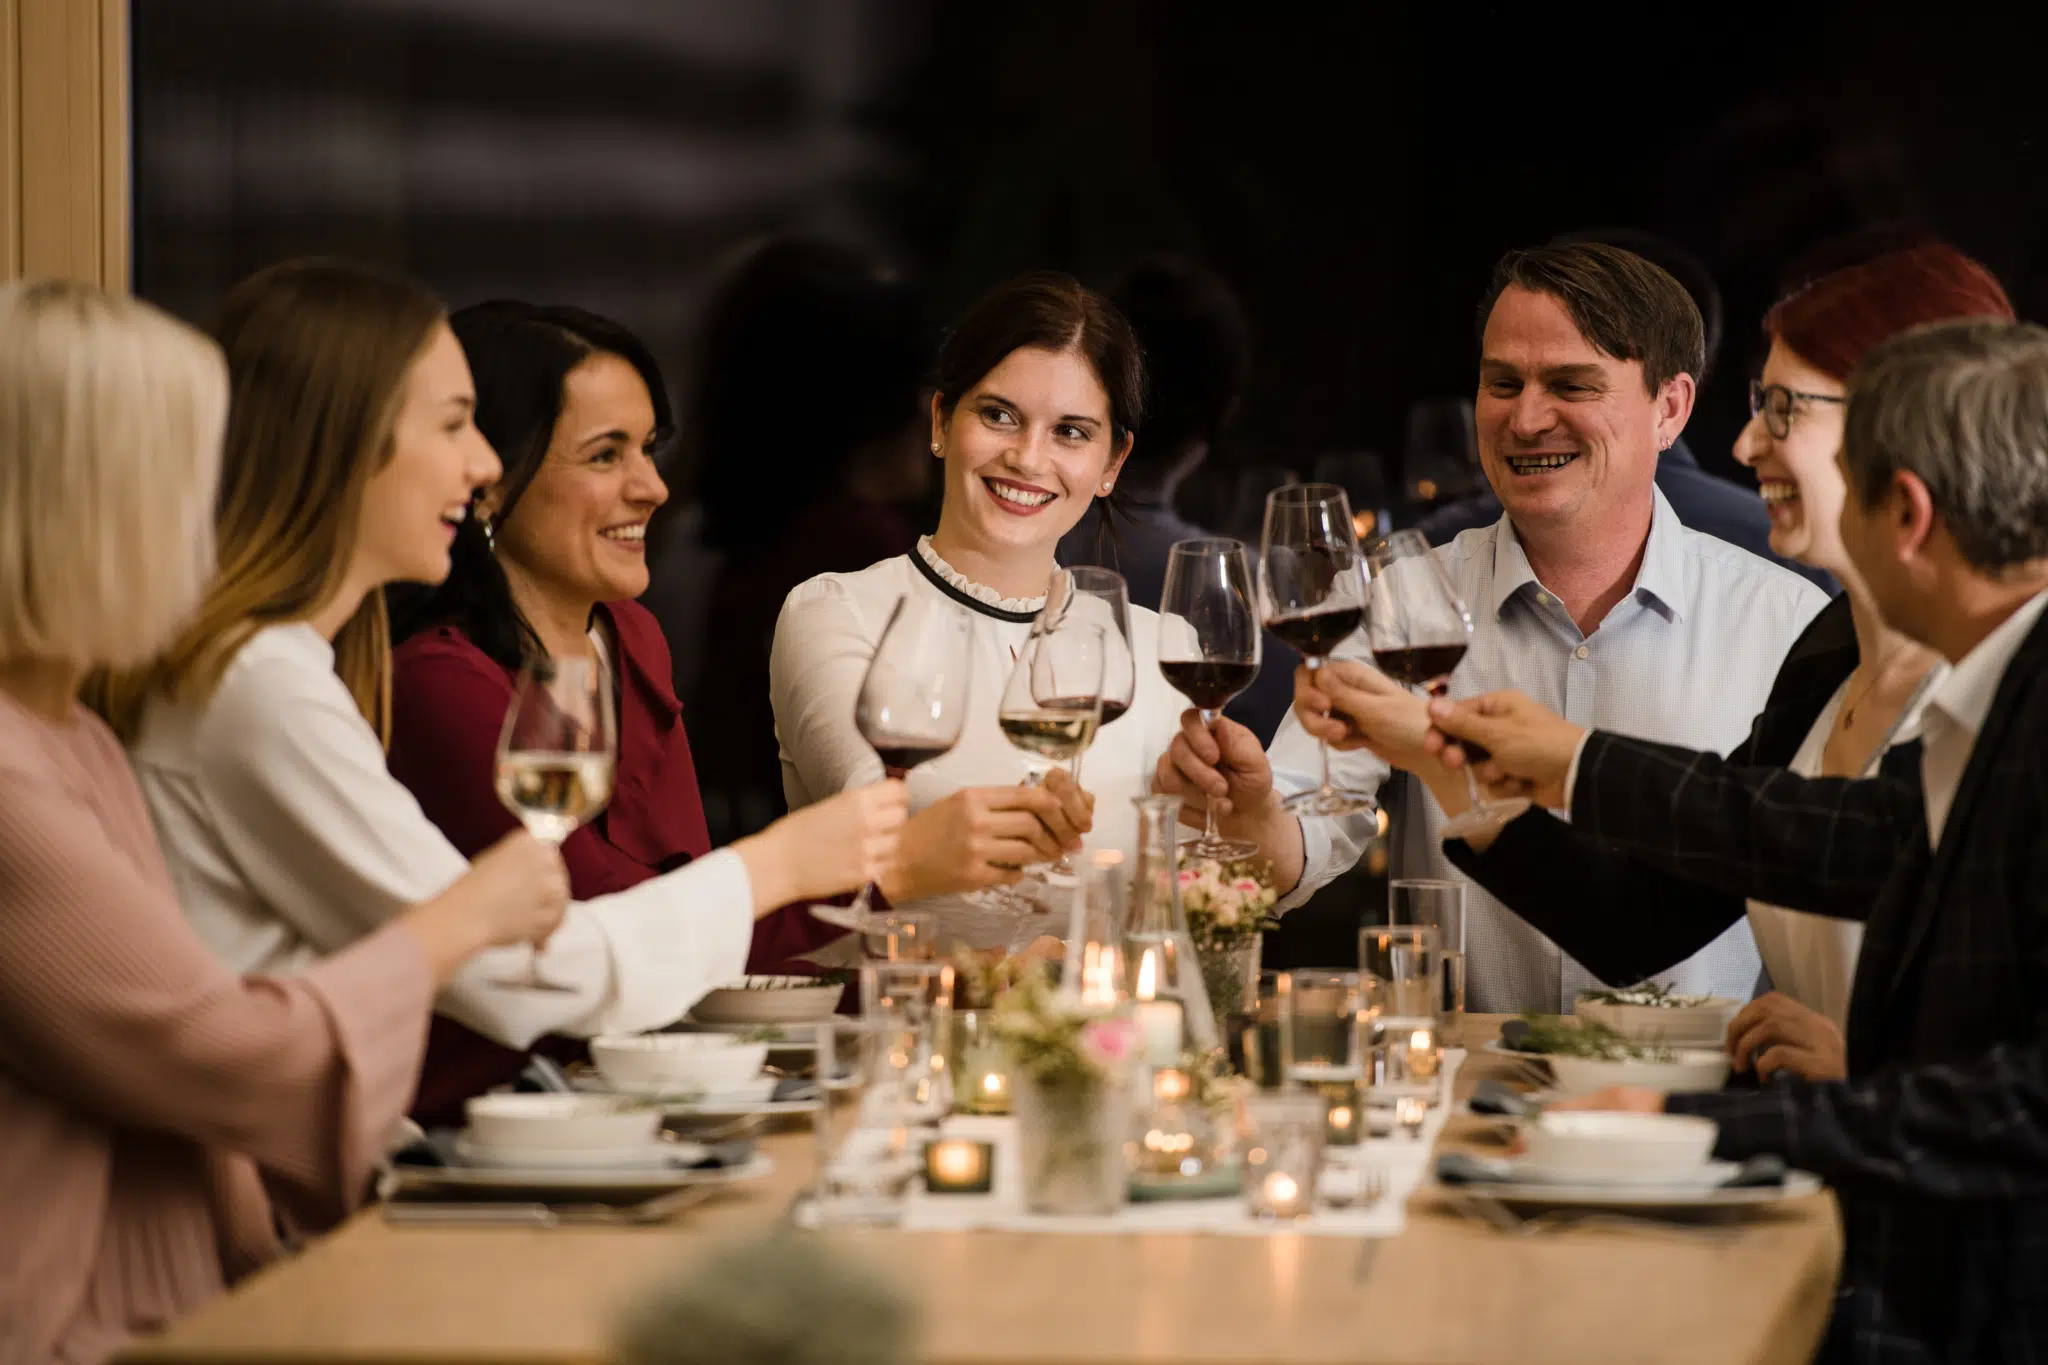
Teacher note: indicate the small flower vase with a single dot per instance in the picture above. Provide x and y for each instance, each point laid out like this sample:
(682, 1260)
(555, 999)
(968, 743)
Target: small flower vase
(1230, 972)
(1070, 1137)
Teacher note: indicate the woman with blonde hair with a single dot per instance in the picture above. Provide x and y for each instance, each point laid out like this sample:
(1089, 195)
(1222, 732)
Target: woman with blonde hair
(351, 460)
(160, 1117)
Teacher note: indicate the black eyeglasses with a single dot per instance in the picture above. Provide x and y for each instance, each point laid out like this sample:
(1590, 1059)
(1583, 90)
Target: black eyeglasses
(1775, 402)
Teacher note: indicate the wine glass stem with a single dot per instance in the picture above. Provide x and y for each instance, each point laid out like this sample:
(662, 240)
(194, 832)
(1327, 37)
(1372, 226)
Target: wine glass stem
(1209, 834)
(1312, 663)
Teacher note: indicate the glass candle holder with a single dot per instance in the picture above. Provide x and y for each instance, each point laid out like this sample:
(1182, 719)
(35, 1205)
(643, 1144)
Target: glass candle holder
(980, 1073)
(1407, 1060)
(1283, 1151)
(1439, 905)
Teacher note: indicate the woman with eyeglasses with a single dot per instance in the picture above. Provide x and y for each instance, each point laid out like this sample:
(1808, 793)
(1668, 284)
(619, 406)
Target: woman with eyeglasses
(1846, 692)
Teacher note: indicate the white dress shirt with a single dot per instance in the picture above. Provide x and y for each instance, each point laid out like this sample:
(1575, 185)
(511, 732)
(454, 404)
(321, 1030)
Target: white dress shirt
(826, 635)
(288, 839)
(1956, 711)
(1686, 658)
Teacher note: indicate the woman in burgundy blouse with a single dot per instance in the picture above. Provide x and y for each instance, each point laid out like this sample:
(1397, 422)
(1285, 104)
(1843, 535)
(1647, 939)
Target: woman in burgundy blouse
(549, 565)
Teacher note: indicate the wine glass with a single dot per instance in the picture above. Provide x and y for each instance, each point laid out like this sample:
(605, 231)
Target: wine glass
(1313, 595)
(1071, 592)
(556, 755)
(1053, 701)
(913, 699)
(1419, 630)
(1209, 644)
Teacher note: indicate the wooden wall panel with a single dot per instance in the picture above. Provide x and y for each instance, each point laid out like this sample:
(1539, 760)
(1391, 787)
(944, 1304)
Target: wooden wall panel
(64, 139)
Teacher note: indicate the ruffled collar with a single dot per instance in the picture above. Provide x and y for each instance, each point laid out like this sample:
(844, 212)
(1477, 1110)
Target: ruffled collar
(1027, 606)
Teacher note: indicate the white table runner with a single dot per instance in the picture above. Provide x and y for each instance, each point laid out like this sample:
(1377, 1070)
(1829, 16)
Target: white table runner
(1403, 1161)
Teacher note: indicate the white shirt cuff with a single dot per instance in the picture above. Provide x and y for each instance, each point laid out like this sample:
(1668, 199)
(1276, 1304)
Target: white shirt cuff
(1571, 774)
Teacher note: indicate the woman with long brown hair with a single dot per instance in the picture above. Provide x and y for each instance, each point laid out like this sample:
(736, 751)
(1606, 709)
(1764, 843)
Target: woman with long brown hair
(351, 461)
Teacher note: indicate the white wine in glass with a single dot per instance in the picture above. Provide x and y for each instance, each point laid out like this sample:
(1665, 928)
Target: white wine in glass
(556, 757)
(1052, 704)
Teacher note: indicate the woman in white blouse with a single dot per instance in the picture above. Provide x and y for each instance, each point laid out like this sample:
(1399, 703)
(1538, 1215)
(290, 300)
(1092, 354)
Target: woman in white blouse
(258, 738)
(1038, 397)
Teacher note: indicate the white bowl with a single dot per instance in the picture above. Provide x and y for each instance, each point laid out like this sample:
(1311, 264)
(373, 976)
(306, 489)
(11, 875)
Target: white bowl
(559, 1123)
(768, 1000)
(1620, 1148)
(712, 1063)
(1701, 1025)
(1693, 1070)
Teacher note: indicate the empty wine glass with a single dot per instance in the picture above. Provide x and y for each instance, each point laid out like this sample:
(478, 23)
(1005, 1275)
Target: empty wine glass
(1419, 630)
(1312, 590)
(1209, 645)
(913, 699)
(1053, 700)
(555, 760)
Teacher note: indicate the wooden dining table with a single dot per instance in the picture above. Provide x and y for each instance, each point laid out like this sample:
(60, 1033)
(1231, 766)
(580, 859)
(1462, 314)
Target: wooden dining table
(1449, 1290)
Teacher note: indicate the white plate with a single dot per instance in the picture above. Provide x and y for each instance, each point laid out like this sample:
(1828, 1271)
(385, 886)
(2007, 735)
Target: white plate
(1703, 1177)
(404, 1178)
(1701, 1025)
(641, 1156)
(741, 1105)
(1579, 1075)
(1524, 1194)
(783, 1003)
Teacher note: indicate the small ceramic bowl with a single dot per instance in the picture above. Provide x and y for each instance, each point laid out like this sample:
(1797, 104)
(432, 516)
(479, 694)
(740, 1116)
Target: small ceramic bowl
(712, 1063)
(767, 1000)
(559, 1123)
(1620, 1148)
(1703, 1025)
(1691, 1070)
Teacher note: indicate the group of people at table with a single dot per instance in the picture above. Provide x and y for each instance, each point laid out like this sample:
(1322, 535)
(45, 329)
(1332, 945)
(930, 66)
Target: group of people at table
(265, 596)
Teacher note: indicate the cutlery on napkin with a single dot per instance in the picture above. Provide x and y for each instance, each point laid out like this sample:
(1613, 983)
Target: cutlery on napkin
(1461, 1168)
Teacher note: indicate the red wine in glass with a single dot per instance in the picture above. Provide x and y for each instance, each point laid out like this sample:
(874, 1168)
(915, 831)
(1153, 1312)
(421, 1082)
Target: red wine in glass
(1429, 667)
(899, 756)
(1316, 633)
(1208, 683)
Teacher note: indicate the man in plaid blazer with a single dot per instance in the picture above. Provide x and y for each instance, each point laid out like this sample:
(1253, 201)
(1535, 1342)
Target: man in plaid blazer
(1937, 1142)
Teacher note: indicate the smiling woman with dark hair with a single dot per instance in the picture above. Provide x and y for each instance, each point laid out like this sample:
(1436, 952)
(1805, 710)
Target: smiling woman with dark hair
(548, 568)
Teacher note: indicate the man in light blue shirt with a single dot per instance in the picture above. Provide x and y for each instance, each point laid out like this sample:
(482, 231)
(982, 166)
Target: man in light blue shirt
(1588, 594)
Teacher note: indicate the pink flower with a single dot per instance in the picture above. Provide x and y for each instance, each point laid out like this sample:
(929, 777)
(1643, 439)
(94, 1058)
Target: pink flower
(1188, 876)
(1108, 1042)
(1245, 886)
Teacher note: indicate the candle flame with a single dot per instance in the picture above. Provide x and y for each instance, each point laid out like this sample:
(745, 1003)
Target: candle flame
(1148, 976)
(1281, 1189)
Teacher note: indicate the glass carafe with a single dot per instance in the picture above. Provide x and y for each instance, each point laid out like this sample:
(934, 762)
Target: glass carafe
(1158, 953)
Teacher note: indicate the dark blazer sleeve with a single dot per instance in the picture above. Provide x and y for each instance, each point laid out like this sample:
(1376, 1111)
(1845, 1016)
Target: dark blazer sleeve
(1824, 844)
(1625, 918)
(1968, 1131)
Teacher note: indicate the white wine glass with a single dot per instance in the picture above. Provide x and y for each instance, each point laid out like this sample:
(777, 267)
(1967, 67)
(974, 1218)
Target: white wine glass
(556, 756)
(1053, 701)
(1312, 591)
(1419, 630)
(1209, 645)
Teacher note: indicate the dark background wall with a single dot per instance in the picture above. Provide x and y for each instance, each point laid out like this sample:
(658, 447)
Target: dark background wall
(1352, 169)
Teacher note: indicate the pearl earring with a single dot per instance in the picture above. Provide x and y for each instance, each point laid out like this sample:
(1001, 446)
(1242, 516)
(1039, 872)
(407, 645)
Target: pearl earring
(490, 532)
(935, 447)
(1105, 490)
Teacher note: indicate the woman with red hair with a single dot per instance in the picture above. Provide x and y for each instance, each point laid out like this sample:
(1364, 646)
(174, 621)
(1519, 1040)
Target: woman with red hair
(1847, 689)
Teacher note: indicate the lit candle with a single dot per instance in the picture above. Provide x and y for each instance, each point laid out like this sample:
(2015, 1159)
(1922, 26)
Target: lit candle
(1422, 1054)
(1343, 1121)
(1280, 1195)
(958, 1166)
(1170, 1085)
(1159, 1031)
(1409, 1113)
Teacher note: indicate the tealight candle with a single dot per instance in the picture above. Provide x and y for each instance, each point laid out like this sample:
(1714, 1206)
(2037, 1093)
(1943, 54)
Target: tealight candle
(1170, 1085)
(1409, 1113)
(1422, 1056)
(958, 1166)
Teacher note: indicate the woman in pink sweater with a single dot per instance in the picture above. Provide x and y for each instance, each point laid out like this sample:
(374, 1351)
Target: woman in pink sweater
(162, 1119)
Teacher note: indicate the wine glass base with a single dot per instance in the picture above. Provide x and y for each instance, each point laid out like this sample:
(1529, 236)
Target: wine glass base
(1202, 846)
(1484, 818)
(1331, 801)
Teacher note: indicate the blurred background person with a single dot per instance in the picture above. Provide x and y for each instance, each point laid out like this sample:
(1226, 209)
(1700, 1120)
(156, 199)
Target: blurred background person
(164, 1122)
(1703, 501)
(808, 443)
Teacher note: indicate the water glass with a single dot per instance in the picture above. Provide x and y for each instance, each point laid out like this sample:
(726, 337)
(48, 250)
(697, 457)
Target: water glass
(866, 1156)
(1404, 960)
(1441, 906)
(1257, 1042)
(909, 1006)
(1319, 1012)
(903, 936)
(1283, 1152)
